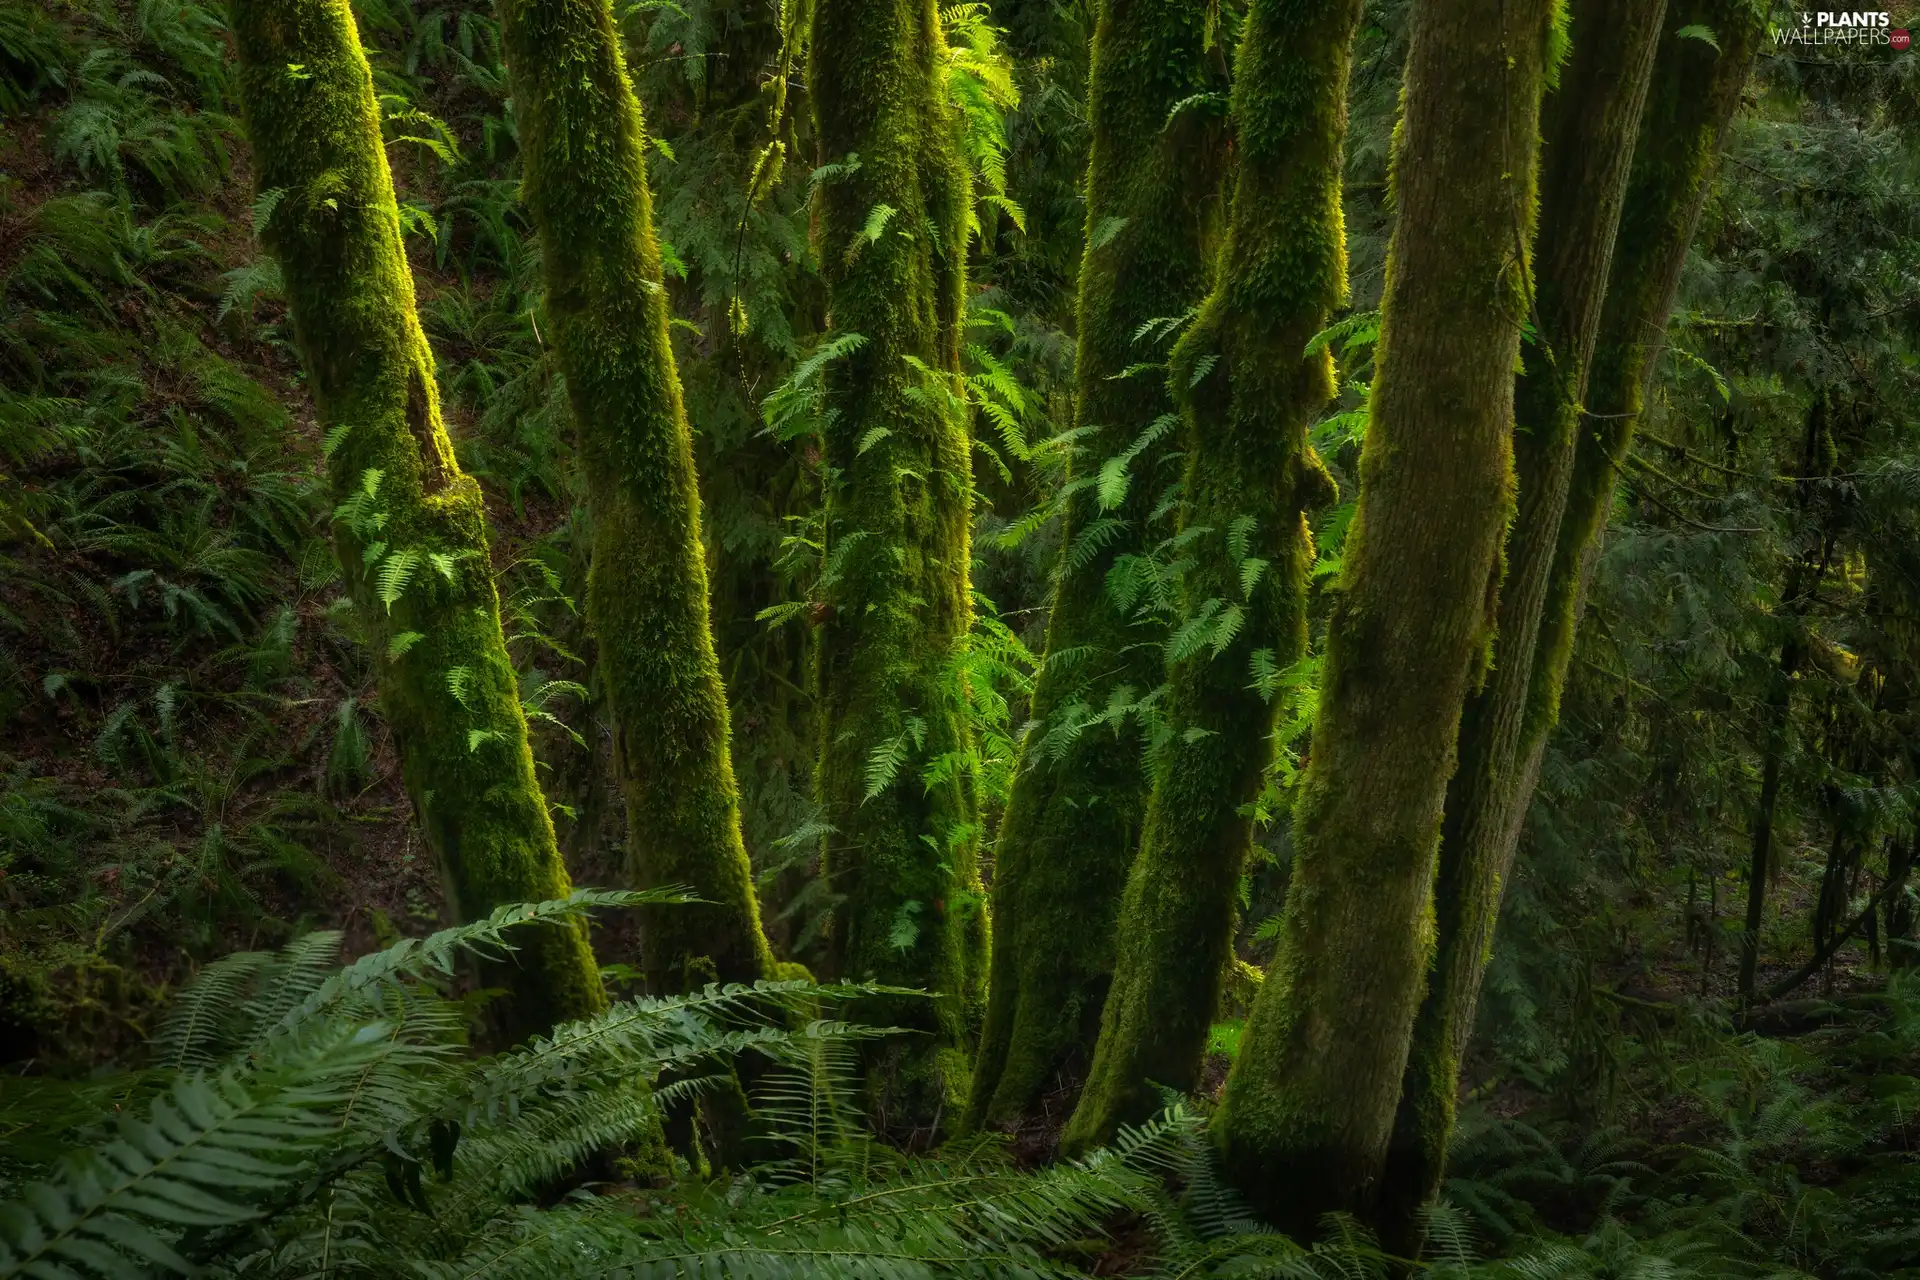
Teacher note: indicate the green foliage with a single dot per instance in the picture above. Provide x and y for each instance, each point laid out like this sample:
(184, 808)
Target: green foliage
(144, 100)
(35, 53)
(156, 649)
(1718, 1187)
(1747, 528)
(195, 761)
(297, 1114)
(980, 83)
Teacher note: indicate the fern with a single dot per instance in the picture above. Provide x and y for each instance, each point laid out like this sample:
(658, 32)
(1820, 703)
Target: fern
(340, 1135)
(396, 571)
(460, 684)
(1196, 633)
(248, 1130)
(1114, 478)
(350, 759)
(885, 761)
(236, 996)
(797, 406)
(1093, 538)
(981, 88)
(412, 959)
(875, 226)
(1103, 232)
(295, 1082)
(247, 285)
(1361, 329)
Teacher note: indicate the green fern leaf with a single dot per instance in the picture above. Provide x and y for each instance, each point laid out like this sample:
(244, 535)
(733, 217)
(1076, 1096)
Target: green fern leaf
(396, 571)
(885, 761)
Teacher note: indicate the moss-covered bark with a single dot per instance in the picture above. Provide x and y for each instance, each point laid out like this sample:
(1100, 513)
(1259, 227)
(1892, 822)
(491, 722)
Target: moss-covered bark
(892, 234)
(1696, 88)
(1588, 128)
(582, 148)
(1310, 1103)
(1248, 392)
(1073, 820)
(411, 528)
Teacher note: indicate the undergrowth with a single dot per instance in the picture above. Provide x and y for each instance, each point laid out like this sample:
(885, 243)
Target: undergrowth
(195, 768)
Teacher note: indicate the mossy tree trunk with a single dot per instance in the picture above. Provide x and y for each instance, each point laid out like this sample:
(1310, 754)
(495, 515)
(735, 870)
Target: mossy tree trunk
(410, 528)
(1693, 92)
(582, 146)
(1696, 88)
(1248, 392)
(892, 220)
(1074, 817)
(1589, 124)
(1309, 1105)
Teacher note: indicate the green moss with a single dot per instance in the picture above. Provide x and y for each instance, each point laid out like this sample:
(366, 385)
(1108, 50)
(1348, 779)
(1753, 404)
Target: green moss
(1695, 90)
(1309, 1104)
(1073, 822)
(1589, 125)
(582, 146)
(412, 531)
(1247, 394)
(892, 236)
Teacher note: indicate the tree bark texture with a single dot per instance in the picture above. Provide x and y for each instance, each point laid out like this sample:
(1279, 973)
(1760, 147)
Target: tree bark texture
(1309, 1105)
(1589, 124)
(1692, 94)
(1248, 391)
(582, 146)
(892, 228)
(410, 527)
(1073, 820)
(1692, 98)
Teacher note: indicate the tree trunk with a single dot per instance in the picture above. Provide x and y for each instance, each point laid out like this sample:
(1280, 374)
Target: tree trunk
(1803, 577)
(1248, 393)
(1899, 902)
(1073, 820)
(410, 527)
(582, 144)
(1693, 93)
(1309, 1106)
(893, 223)
(1696, 88)
(1589, 125)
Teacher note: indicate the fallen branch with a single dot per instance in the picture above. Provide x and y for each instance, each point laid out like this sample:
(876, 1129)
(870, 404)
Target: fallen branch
(1826, 953)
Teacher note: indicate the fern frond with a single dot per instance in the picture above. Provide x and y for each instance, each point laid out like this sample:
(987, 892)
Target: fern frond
(886, 760)
(206, 1155)
(396, 571)
(411, 959)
